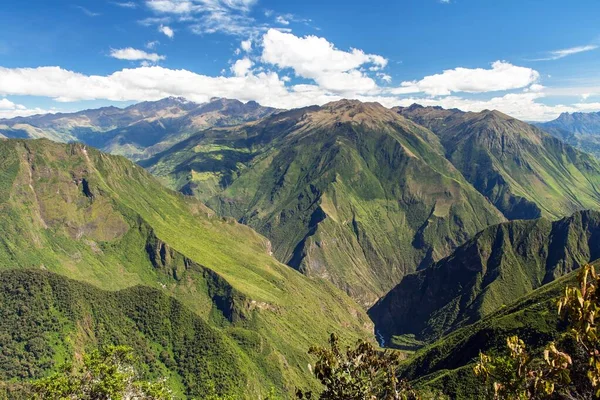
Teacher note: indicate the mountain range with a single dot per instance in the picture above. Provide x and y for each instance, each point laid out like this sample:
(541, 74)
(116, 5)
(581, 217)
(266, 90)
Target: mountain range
(362, 195)
(581, 130)
(246, 234)
(137, 131)
(334, 188)
(523, 171)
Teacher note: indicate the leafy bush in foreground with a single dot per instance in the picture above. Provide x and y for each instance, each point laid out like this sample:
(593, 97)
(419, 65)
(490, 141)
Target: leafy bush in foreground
(357, 374)
(572, 373)
(103, 375)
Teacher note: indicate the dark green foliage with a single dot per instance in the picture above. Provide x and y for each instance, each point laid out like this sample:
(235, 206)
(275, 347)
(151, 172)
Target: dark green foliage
(41, 313)
(103, 375)
(533, 318)
(569, 367)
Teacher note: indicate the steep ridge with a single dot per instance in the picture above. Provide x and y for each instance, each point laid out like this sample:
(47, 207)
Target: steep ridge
(101, 219)
(137, 131)
(351, 192)
(581, 130)
(499, 265)
(524, 172)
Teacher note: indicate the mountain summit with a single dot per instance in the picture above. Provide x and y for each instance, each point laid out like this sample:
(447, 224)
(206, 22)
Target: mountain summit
(581, 130)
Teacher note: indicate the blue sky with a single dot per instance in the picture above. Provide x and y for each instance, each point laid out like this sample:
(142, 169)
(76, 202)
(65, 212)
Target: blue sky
(532, 60)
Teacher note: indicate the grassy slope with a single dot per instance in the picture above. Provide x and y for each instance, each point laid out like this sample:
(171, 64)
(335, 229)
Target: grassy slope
(523, 171)
(349, 191)
(500, 264)
(111, 236)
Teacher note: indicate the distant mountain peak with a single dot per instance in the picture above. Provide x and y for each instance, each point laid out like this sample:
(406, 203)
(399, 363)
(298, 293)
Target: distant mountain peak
(355, 111)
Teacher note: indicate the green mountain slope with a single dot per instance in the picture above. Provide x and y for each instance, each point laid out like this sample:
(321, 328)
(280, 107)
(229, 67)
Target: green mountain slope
(522, 170)
(447, 364)
(350, 191)
(137, 131)
(500, 264)
(100, 219)
(581, 130)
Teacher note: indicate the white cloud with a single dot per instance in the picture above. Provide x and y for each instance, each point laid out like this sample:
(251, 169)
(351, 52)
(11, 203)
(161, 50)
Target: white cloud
(138, 84)
(315, 58)
(132, 54)
(6, 104)
(242, 67)
(171, 6)
(536, 87)
(246, 45)
(88, 12)
(281, 20)
(326, 74)
(558, 54)
(8, 109)
(154, 83)
(384, 77)
(167, 31)
(502, 76)
(154, 21)
(127, 4)
(152, 44)
(209, 16)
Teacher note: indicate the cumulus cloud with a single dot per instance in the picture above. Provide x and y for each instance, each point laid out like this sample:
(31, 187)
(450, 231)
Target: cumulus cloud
(315, 58)
(167, 31)
(524, 106)
(154, 83)
(242, 67)
(502, 76)
(324, 73)
(137, 84)
(246, 45)
(8, 109)
(132, 54)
